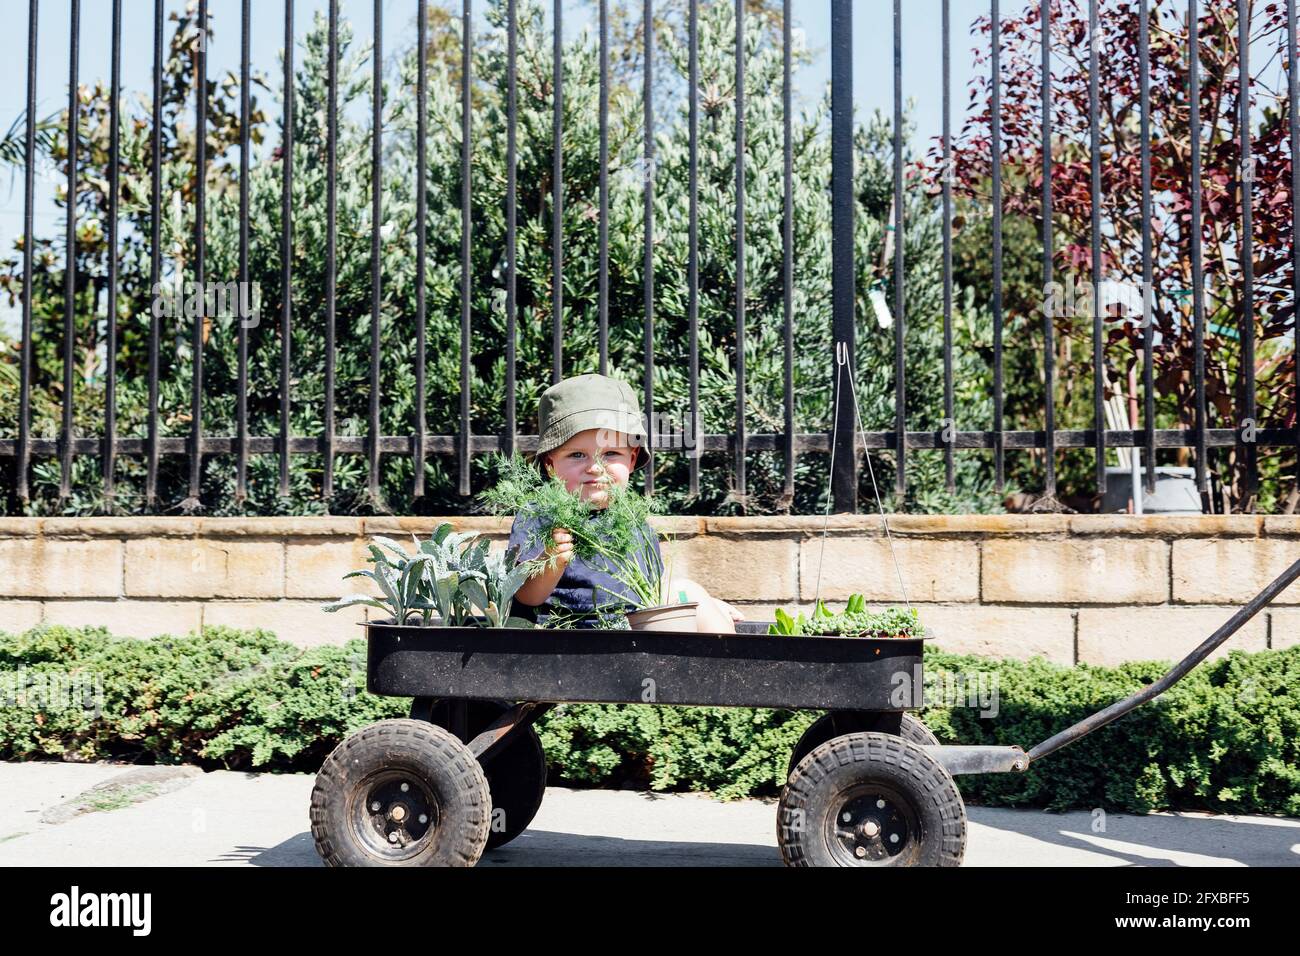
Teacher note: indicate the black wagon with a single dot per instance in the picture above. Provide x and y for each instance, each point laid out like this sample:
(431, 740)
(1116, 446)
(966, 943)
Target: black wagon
(867, 785)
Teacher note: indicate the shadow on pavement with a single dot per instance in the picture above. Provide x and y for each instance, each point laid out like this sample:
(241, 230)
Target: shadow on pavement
(547, 848)
(1156, 840)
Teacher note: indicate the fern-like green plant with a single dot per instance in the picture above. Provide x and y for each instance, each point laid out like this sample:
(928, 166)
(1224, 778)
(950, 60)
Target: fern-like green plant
(614, 535)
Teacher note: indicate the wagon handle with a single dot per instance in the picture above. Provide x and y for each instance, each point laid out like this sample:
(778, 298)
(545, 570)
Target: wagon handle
(1179, 671)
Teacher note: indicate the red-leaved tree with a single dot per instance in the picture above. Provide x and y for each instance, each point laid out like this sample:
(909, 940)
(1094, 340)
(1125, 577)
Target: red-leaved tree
(1222, 180)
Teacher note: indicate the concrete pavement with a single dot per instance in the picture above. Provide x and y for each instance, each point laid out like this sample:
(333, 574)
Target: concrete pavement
(168, 816)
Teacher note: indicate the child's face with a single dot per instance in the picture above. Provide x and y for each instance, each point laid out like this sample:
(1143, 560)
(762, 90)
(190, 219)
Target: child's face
(590, 460)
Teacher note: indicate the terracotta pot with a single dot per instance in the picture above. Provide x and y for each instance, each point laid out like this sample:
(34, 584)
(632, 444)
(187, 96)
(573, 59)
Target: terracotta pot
(664, 617)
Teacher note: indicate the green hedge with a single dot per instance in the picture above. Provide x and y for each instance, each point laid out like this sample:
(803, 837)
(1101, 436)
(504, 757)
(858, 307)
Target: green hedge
(1227, 738)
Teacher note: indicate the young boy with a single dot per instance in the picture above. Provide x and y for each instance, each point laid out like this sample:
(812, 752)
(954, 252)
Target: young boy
(592, 435)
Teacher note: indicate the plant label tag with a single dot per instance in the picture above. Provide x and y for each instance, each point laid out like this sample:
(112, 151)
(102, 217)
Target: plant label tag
(880, 306)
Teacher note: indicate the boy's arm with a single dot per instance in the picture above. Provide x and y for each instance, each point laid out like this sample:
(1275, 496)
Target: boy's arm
(538, 588)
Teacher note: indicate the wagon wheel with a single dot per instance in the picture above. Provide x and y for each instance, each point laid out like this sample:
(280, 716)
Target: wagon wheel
(840, 722)
(516, 773)
(868, 799)
(400, 793)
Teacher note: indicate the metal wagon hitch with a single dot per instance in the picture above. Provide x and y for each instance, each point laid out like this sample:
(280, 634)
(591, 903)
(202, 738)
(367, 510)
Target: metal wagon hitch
(960, 759)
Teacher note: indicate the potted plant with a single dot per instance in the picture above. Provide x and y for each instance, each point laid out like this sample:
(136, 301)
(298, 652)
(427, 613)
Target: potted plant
(856, 620)
(614, 537)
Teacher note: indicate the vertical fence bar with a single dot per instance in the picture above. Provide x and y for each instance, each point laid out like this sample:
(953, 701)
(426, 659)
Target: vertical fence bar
(1198, 302)
(512, 118)
(1293, 103)
(331, 243)
(376, 263)
(1247, 181)
(1148, 292)
(421, 160)
(70, 262)
(844, 467)
(557, 196)
(29, 164)
(995, 79)
(693, 250)
(192, 503)
(155, 255)
(649, 266)
(900, 283)
(950, 424)
(241, 400)
(114, 187)
(604, 186)
(466, 219)
(1094, 139)
(286, 248)
(787, 250)
(1049, 324)
(739, 466)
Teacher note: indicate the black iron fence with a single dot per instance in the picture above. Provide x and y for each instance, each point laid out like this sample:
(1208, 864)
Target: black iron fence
(463, 443)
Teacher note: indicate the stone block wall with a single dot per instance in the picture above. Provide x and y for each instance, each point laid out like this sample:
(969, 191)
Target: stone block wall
(1087, 588)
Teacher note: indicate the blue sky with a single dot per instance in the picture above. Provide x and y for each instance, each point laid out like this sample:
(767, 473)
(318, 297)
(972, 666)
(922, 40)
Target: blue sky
(872, 28)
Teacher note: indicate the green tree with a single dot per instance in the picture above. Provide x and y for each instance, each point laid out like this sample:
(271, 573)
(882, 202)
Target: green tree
(763, 349)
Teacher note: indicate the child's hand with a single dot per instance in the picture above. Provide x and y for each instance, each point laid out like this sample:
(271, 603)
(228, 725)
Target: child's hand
(561, 547)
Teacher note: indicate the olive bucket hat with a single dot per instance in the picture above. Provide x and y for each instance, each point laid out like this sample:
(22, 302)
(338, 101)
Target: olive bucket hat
(584, 402)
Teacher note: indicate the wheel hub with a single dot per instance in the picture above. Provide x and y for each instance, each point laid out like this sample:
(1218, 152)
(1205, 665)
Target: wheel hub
(396, 815)
(872, 828)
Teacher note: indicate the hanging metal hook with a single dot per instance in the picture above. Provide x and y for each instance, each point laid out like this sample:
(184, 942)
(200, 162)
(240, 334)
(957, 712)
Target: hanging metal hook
(842, 360)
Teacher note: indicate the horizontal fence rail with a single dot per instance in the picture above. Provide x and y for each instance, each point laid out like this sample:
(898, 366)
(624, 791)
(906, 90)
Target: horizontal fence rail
(1143, 436)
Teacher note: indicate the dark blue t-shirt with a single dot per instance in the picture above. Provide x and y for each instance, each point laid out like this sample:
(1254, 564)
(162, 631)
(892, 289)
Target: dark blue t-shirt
(582, 577)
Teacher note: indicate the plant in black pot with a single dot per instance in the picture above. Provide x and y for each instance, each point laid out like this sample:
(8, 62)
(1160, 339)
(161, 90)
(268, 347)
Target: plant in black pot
(856, 620)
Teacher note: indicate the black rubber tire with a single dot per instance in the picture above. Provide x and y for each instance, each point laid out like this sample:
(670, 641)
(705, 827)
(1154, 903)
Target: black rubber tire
(516, 775)
(868, 799)
(416, 769)
(832, 725)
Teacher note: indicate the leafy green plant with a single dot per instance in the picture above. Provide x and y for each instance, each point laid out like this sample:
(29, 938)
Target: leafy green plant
(615, 536)
(854, 621)
(494, 592)
(400, 581)
(449, 573)
(455, 570)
